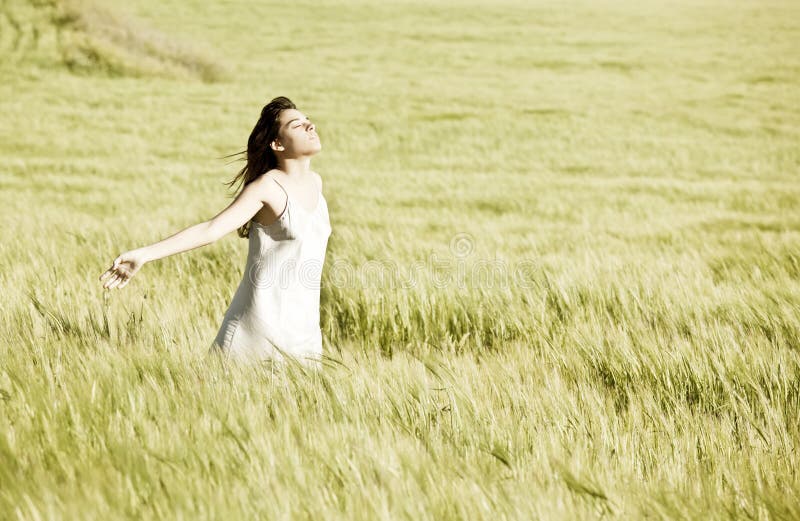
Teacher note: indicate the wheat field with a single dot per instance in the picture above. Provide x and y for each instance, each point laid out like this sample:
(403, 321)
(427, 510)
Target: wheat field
(563, 280)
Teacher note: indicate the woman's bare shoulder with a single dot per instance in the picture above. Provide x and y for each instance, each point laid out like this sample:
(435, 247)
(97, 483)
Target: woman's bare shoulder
(271, 193)
(273, 173)
(319, 179)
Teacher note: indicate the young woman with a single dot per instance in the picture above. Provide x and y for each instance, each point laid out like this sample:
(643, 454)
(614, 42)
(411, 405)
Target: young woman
(282, 212)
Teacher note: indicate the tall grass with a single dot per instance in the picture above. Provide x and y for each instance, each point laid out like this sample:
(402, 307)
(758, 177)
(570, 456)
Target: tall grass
(562, 281)
(88, 38)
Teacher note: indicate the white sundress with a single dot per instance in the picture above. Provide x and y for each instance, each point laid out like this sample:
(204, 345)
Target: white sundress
(277, 301)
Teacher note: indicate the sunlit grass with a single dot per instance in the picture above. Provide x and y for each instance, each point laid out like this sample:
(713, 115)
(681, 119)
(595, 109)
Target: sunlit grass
(86, 38)
(562, 281)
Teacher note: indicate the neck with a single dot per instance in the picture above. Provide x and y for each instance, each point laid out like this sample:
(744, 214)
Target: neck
(295, 167)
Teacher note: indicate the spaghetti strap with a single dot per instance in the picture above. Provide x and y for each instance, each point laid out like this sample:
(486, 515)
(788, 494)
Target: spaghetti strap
(294, 202)
(288, 199)
(282, 188)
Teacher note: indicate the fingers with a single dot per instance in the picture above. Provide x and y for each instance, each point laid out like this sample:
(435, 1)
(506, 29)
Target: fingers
(116, 276)
(117, 281)
(111, 280)
(110, 274)
(111, 270)
(114, 266)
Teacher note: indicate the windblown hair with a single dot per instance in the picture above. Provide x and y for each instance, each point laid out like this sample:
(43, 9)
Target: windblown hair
(260, 157)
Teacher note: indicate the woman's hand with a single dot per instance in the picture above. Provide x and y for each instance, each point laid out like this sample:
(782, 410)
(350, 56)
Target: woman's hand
(123, 269)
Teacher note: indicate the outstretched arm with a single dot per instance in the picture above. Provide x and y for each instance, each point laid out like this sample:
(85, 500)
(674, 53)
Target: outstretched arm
(241, 210)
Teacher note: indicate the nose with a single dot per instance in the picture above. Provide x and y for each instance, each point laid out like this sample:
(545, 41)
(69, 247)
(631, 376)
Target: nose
(311, 126)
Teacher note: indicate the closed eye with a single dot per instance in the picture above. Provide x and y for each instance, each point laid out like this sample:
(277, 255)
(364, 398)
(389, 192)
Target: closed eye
(300, 124)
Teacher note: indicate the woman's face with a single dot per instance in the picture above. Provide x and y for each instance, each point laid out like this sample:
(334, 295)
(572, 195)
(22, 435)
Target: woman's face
(297, 135)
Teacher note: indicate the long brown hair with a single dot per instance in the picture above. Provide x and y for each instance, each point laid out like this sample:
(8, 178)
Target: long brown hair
(260, 156)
